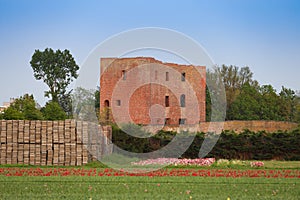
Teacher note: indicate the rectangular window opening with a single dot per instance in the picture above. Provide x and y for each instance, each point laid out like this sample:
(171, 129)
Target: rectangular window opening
(167, 101)
(124, 74)
(167, 76)
(118, 102)
(182, 121)
(155, 74)
(182, 100)
(183, 76)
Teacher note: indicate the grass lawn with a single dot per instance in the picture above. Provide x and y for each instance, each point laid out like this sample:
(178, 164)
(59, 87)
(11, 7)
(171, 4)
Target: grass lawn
(169, 187)
(147, 188)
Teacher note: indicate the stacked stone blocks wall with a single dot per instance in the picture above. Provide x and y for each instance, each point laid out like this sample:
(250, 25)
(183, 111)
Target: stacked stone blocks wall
(68, 143)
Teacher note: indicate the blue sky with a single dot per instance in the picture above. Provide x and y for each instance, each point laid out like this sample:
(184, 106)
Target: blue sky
(264, 35)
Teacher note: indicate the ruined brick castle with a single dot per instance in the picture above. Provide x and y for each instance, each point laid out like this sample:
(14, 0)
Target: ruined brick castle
(143, 90)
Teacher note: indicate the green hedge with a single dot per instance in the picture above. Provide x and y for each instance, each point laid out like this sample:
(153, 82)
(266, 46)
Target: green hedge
(243, 146)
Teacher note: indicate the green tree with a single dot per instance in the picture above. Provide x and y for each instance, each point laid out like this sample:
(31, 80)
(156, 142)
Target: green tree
(65, 102)
(247, 104)
(97, 102)
(13, 113)
(233, 78)
(83, 102)
(23, 108)
(247, 100)
(288, 105)
(230, 77)
(269, 104)
(297, 115)
(208, 105)
(53, 111)
(215, 96)
(57, 69)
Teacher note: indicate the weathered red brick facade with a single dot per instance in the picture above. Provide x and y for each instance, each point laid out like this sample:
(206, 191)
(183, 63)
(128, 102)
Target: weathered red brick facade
(143, 90)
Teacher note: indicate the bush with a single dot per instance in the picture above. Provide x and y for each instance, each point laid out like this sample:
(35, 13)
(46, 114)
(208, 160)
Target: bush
(232, 146)
(53, 111)
(23, 108)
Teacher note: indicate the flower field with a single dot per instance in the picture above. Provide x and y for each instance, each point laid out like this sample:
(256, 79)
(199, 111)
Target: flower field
(251, 173)
(187, 180)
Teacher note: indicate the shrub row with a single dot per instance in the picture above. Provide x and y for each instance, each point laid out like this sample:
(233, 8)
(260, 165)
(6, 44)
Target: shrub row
(247, 145)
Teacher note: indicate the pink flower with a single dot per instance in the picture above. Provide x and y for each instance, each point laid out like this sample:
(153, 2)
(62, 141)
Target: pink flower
(176, 161)
(256, 164)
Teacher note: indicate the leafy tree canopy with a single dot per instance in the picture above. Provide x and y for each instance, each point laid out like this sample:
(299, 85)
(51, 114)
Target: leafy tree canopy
(247, 100)
(57, 69)
(84, 103)
(53, 111)
(23, 108)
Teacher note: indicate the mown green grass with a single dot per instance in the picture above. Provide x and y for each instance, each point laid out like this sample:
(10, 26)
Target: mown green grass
(147, 188)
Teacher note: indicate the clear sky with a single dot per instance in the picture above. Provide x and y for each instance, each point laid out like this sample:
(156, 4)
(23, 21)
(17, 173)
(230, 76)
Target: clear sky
(261, 34)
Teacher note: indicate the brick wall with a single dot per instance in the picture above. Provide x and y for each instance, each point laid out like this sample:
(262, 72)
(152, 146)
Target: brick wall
(146, 85)
(66, 142)
(238, 126)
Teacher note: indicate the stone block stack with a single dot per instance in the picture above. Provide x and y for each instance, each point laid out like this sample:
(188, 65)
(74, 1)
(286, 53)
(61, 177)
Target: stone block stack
(57, 143)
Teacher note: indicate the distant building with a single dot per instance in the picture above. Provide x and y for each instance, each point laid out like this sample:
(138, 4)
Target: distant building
(6, 104)
(144, 90)
(2, 108)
